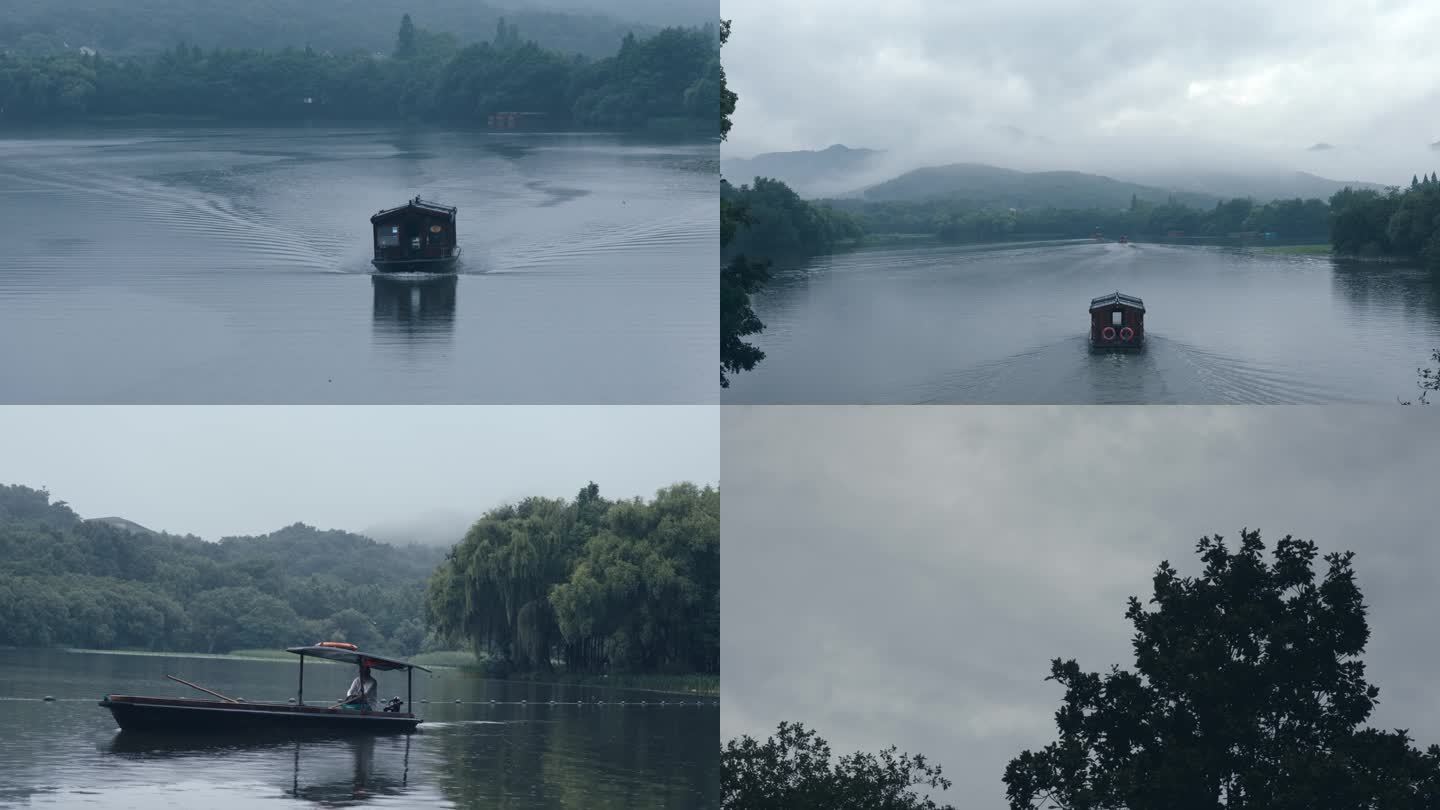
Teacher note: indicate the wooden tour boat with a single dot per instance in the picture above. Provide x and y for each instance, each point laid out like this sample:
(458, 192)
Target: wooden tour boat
(1117, 321)
(418, 236)
(230, 715)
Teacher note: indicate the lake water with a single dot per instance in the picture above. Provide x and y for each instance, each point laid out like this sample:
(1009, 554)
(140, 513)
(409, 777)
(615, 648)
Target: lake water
(232, 266)
(476, 754)
(1010, 326)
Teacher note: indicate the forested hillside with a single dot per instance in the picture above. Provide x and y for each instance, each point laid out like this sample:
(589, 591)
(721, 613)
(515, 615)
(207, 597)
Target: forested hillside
(587, 585)
(88, 583)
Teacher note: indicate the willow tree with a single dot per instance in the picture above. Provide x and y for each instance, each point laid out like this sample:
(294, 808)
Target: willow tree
(645, 592)
(494, 587)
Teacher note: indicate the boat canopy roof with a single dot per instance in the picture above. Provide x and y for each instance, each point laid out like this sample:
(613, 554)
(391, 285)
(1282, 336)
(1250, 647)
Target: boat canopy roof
(1117, 298)
(356, 657)
(416, 204)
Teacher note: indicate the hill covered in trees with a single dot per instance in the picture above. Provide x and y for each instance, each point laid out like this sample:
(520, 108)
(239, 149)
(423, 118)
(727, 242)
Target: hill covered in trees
(94, 583)
(122, 28)
(670, 79)
(588, 584)
(1007, 188)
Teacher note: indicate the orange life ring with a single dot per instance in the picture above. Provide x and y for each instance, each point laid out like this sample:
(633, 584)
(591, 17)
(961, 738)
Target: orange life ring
(339, 644)
(1108, 333)
(1126, 333)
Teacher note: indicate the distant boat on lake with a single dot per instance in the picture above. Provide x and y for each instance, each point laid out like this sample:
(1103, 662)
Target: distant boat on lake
(418, 236)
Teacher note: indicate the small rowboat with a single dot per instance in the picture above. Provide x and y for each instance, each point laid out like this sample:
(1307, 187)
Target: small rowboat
(230, 715)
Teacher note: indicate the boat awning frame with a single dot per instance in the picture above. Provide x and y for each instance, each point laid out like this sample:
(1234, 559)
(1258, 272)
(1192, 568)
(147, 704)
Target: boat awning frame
(355, 657)
(416, 204)
(1115, 298)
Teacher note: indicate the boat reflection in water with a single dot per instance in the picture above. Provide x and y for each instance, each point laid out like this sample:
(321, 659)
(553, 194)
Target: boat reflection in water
(331, 772)
(414, 308)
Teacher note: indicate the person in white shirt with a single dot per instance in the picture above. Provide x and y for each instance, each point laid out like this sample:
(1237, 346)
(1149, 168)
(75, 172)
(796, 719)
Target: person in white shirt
(363, 693)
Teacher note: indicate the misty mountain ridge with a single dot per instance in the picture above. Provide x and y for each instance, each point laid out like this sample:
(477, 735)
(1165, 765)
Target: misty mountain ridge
(652, 12)
(124, 525)
(1261, 187)
(992, 185)
(807, 171)
(837, 172)
(439, 528)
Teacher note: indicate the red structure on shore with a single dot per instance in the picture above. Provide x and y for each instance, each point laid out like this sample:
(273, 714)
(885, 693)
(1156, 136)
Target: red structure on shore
(514, 120)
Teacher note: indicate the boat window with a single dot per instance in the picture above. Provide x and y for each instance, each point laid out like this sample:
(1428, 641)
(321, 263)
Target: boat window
(1116, 317)
(387, 235)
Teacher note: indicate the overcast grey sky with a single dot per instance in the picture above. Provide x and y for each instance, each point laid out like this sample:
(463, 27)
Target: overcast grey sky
(219, 471)
(1056, 84)
(904, 575)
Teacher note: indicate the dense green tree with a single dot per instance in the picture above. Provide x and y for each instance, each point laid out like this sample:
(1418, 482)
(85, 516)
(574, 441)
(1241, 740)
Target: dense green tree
(795, 770)
(740, 277)
(405, 40)
(1248, 692)
(52, 27)
(959, 220)
(668, 80)
(594, 585)
(727, 96)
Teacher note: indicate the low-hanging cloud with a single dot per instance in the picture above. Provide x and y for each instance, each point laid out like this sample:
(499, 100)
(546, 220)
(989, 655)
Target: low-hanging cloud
(904, 575)
(1107, 84)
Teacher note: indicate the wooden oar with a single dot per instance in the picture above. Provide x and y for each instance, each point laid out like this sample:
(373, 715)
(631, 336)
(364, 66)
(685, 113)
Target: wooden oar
(202, 689)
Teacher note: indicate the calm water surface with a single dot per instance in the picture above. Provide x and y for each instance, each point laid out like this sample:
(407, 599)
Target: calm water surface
(475, 754)
(1009, 326)
(232, 265)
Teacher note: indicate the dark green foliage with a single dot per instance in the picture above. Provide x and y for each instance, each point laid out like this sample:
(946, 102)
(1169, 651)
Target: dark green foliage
(405, 40)
(669, 79)
(124, 28)
(1399, 224)
(740, 277)
(1248, 692)
(779, 224)
(966, 221)
(727, 96)
(590, 584)
(794, 770)
(768, 220)
(91, 584)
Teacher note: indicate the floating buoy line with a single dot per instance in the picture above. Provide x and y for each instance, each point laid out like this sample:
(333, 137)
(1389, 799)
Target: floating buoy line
(456, 701)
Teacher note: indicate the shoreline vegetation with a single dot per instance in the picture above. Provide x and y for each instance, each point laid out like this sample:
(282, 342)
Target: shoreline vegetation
(666, 83)
(625, 593)
(1358, 225)
(707, 685)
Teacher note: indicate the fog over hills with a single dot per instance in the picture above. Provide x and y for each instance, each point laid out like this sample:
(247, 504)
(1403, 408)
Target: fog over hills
(653, 12)
(843, 171)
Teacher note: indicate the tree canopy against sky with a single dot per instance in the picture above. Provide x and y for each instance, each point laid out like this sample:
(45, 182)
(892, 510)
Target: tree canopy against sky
(1248, 692)
(795, 770)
